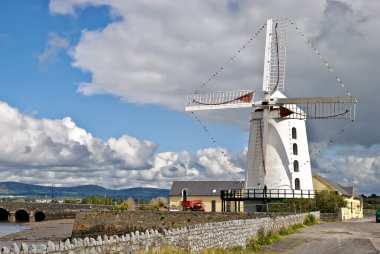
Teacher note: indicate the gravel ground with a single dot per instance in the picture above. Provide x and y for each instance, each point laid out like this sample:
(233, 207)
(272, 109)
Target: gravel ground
(349, 237)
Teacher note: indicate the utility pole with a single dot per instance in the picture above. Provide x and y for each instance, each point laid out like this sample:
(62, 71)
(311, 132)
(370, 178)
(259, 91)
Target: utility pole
(114, 195)
(52, 192)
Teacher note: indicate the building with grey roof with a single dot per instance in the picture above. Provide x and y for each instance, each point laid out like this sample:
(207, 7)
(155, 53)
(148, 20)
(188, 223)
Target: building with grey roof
(207, 191)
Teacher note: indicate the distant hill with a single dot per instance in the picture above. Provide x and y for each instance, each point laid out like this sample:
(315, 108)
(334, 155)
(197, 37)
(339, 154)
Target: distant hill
(38, 191)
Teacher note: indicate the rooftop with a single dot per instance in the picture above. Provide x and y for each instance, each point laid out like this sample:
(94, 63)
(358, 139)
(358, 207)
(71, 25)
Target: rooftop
(204, 188)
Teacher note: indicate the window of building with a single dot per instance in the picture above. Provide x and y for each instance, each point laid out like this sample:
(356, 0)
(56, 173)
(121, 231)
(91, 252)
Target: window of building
(294, 133)
(295, 166)
(295, 149)
(213, 206)
(297, 184)
(228, 206)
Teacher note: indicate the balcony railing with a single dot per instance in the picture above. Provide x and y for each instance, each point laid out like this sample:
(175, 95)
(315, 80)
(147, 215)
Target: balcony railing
(249, 194)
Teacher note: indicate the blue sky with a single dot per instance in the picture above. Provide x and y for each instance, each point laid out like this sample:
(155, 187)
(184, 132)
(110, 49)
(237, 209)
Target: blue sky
(120, 72)
(49, 89)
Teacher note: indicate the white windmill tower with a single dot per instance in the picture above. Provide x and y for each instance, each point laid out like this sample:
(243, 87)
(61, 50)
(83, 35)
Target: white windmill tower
(278, 154)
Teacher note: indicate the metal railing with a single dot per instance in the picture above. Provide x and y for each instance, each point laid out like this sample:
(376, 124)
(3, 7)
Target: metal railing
(249, 194)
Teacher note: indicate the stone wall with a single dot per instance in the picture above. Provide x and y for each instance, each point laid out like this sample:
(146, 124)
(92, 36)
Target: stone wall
(329, 216)
(194, 237)
(369, 213)
(92, 224)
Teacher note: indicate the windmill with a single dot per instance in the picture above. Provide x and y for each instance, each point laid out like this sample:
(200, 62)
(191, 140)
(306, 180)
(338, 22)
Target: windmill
(278, 154)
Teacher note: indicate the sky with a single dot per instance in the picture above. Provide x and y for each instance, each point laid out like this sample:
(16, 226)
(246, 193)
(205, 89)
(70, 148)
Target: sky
(93, 91)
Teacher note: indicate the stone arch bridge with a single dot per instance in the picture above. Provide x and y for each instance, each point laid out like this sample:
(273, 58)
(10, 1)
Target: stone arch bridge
(29, 211)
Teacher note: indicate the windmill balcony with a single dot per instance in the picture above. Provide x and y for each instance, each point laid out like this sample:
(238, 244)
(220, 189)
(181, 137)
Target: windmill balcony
(255, 194)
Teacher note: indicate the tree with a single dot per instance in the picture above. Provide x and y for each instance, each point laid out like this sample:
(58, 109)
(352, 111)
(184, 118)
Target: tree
(159, 203)
(97, 200)
(329, 201)
(128, 204)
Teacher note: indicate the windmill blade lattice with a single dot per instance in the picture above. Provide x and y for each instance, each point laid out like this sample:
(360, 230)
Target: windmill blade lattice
(275, 54)
(220, 100)
(317, 108)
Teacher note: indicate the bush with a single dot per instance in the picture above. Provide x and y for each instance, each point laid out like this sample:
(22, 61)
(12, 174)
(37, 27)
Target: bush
(310, 220)
(296, 227)
(252, 244)
(291, 205)
(329, 201)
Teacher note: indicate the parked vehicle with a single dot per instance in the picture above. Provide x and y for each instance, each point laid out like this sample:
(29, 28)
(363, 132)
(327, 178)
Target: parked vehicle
(378, 215)
(193, 205)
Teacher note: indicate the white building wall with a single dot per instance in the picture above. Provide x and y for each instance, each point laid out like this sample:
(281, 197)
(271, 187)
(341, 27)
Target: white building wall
(279, 166)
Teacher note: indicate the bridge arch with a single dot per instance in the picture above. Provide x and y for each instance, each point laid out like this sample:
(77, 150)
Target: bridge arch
(4, 214)
(39, 216)
(21, 215)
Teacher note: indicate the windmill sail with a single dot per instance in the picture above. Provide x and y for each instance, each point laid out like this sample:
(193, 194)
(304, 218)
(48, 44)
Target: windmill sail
(275, 53)
(317, 108)
(220, 100)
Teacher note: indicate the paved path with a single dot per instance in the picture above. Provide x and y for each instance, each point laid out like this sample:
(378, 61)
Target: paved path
(349, 237)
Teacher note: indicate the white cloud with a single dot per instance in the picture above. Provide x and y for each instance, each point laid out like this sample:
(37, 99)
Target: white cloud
(29, 142)
(54, 45)
(58, 151)
(352, 166)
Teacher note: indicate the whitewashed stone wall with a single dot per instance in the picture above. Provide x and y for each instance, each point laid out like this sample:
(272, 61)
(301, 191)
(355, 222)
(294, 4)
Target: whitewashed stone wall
(194, 238)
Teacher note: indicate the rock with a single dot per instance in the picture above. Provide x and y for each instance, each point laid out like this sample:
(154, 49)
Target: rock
(42, 248)
(32, 249)
(93, 242)
(24, 248)
(50, 246)
(61, 246)
(5, 250)
(86, 242)
(15, 249)
(67, 244)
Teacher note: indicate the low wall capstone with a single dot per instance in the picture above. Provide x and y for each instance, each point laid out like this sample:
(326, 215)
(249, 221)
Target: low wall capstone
(194, 237)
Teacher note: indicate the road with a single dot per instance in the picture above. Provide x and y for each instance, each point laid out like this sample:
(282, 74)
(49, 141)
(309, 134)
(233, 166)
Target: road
(349, 237)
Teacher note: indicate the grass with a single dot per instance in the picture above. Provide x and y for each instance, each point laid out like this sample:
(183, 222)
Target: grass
(262, 238)
(166, 249)
(310, 220)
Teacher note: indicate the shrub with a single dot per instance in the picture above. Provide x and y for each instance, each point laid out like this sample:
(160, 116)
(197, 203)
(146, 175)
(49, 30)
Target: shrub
(261, 239)
(159, 203)
(252, 244)
(310, 220)
(291, 205)
(284, 231)
(329, 201)
(296, 227)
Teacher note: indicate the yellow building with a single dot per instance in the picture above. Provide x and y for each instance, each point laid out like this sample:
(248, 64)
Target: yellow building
(354, 207)
(207, 191)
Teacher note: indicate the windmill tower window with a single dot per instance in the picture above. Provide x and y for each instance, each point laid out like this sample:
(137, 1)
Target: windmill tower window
(294, 133)
(295, 166)
(297, 184)
(295, 149)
